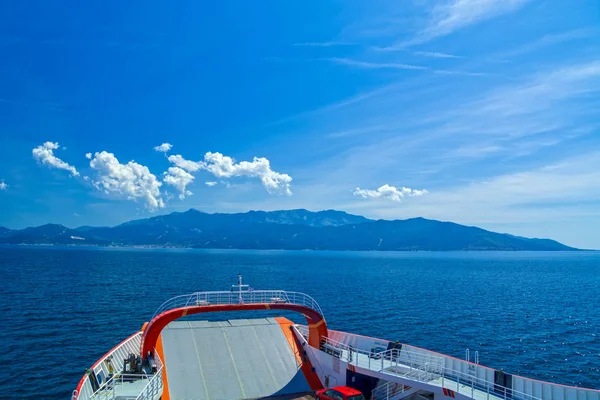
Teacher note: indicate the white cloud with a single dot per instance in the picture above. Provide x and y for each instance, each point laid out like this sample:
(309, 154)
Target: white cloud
(3, 185)
(181, 175)
(163, 148)
(179, 178)
(225, 167)
(371, 65)
(452, 15)
(434, 54)
(389, 192)
(189, 166)
(324, 44)
(88, 156)
(131, 180)
(45, 155)
(555, 192)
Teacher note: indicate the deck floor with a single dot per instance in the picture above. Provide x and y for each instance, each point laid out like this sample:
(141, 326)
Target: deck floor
(238, 359)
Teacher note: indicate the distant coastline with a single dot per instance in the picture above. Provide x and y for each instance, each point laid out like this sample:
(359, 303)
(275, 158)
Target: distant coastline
(281, 230)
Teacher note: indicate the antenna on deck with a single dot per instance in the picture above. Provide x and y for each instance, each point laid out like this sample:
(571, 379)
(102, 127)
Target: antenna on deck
(239, 286)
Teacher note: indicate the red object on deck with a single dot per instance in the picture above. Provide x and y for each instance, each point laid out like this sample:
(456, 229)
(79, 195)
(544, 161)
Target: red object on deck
(339, 393)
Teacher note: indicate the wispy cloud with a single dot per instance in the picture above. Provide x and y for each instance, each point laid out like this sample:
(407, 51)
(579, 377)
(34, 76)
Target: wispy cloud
(547, 40)
(3, 185)
(399, 66)
(372, 65)
(354, 132)
(44, 154)
(452, 15)
(434, 54)
(324, 44)
(448, 16)
(210, 183)
(572, 180)
(468, 135)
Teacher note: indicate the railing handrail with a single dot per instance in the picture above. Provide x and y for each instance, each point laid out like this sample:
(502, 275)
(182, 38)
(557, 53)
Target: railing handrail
(151, 385)
(440, 370)
(232, 297)
(386, 390)
(139, 376)
(75, 395)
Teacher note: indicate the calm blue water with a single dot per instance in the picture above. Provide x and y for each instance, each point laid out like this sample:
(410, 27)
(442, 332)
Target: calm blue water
(534, 314)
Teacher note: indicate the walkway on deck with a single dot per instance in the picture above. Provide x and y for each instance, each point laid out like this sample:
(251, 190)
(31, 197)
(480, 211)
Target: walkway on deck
(388, 367)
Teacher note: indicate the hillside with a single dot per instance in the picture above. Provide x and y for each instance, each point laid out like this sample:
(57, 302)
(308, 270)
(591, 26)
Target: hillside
(290, 229)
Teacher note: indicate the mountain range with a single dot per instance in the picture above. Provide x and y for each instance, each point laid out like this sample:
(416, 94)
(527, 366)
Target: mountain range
(286, 229)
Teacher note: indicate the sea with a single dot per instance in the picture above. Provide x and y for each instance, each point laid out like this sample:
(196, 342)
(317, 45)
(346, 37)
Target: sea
(535, 314)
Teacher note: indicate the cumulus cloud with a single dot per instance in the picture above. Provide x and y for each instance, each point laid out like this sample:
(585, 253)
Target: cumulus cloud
(179, 178)
(44, 154)
(225, 167)
(189, 166)
(181, 174)
(131, 180)
(163, 148)
(389, 192)
(3, 185)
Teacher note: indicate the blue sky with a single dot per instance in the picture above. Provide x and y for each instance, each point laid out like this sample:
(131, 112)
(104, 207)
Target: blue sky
(481, 112)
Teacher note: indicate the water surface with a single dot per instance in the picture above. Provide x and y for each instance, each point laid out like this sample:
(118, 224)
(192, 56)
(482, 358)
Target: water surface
(533, 314)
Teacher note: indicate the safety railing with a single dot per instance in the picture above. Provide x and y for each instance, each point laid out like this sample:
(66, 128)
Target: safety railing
(389, 391)
(421, 367)
(155, 385)
(121, 385)
(120, 352)
(236, 297)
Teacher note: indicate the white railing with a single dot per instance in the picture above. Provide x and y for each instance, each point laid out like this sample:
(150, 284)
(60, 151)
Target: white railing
(117, 385)
(154, 386)
(235, 297)
(389, 391)
(130, 345)
(420, 367)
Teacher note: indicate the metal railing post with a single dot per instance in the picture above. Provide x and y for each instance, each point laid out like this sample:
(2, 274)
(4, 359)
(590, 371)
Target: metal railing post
(442, 378)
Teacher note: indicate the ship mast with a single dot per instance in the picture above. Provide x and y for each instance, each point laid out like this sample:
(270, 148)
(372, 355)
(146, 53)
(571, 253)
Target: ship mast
(239, 286)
